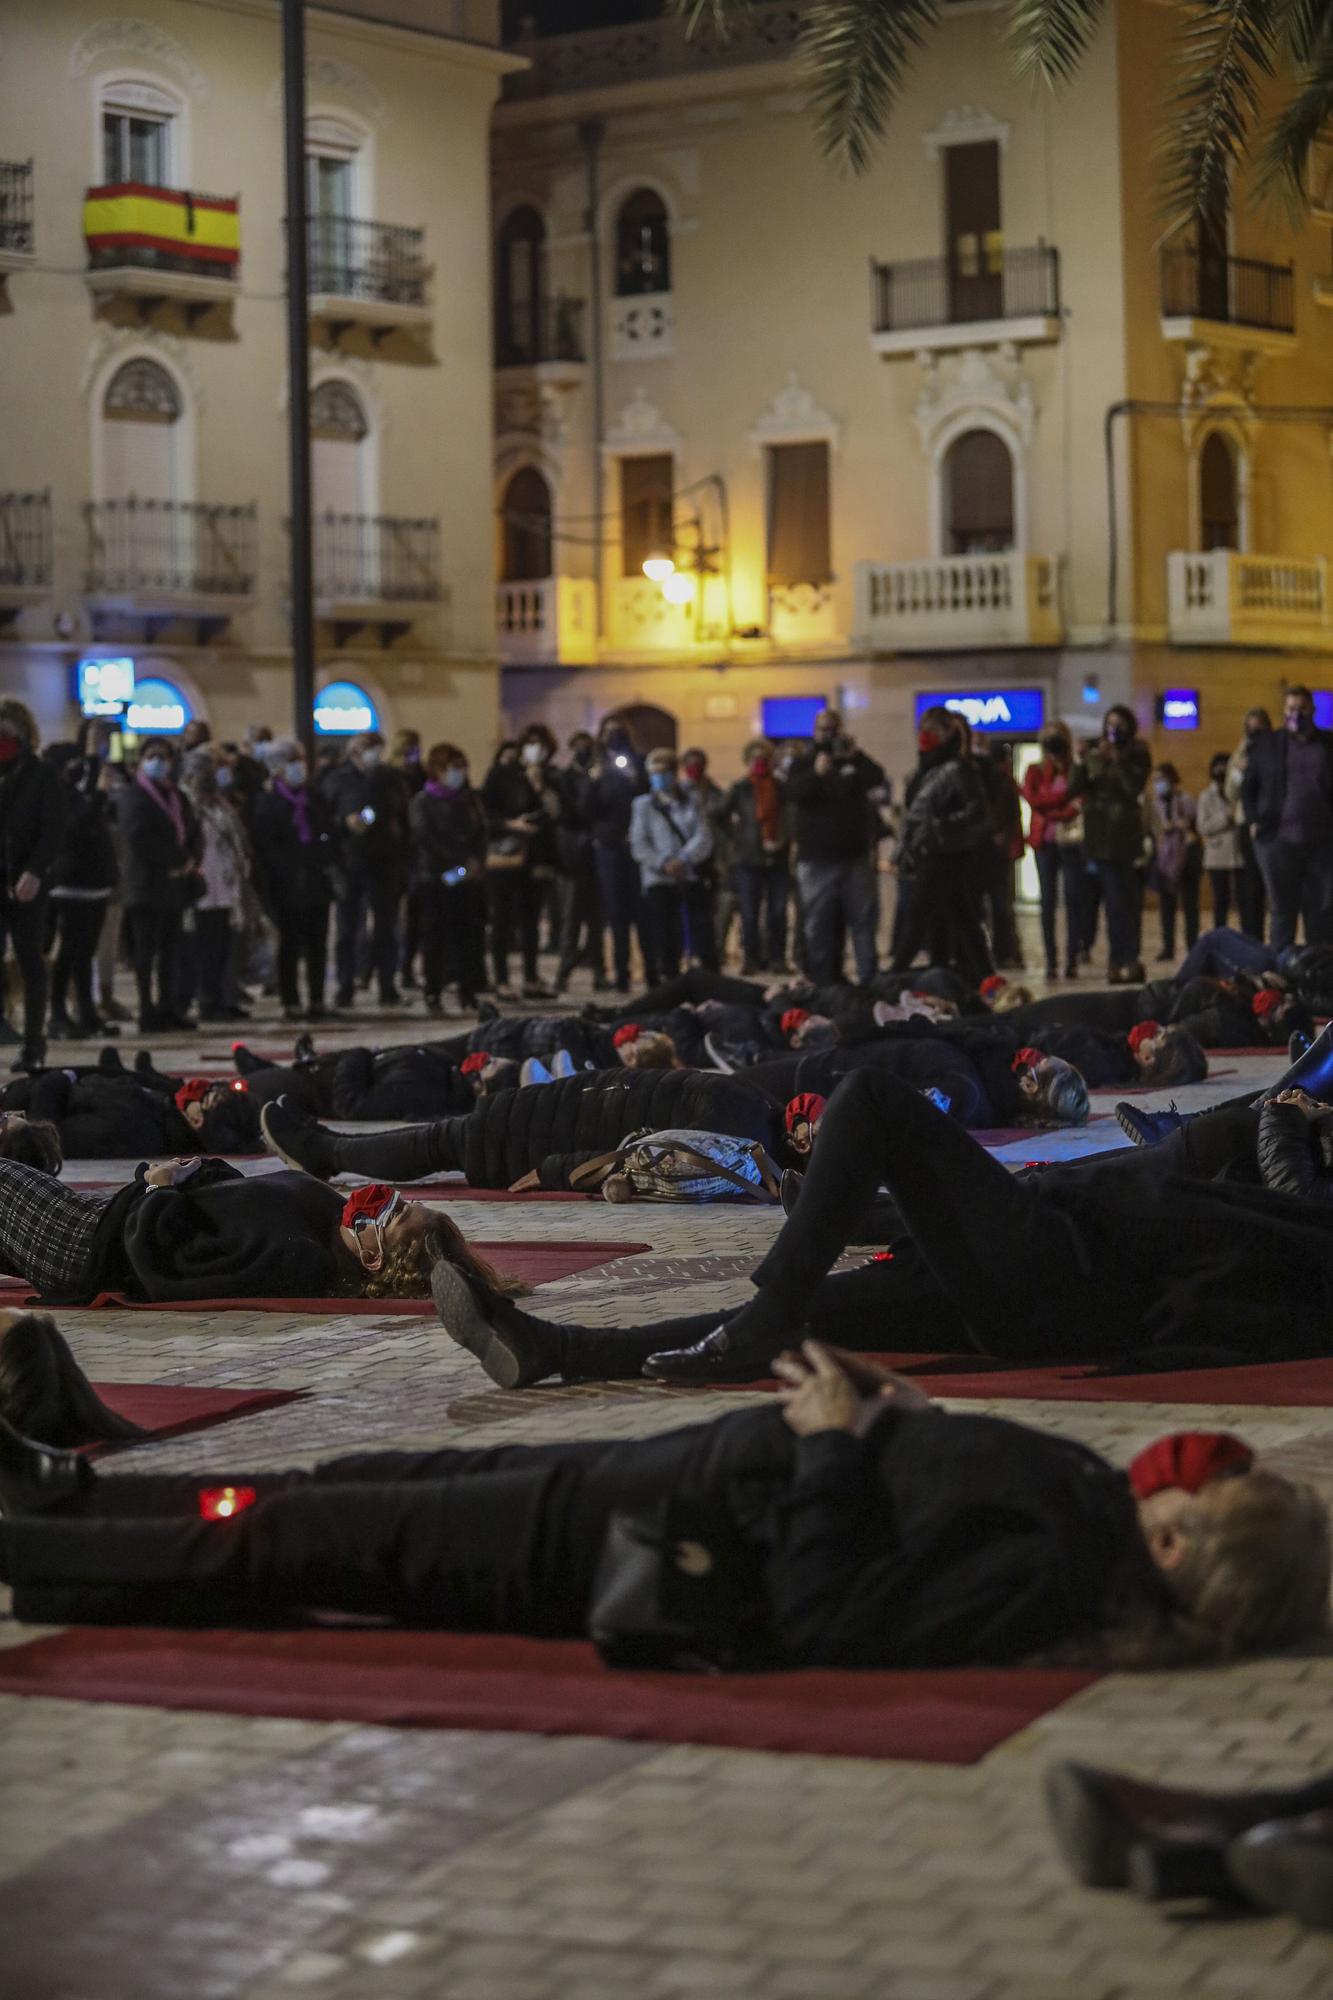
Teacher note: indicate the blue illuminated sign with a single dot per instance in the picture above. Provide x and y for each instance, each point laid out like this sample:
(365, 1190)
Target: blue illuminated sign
(1178, 708)
(344, 709)
(991, 711)
(104, 686)
(157, 708)
(1323, 707)
(790, 714)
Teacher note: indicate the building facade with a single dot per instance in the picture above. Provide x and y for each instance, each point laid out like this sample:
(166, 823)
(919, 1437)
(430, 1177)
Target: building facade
(143, 377)
(964, 428)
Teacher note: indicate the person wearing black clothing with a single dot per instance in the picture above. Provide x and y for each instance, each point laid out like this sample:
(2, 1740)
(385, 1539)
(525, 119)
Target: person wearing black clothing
(101, 1115)
(447, 827)
(32, 824)
(368, 801)
(522, 809)
(978, 1086)
(995, 768)
(1109, 781)
(756, 815)
(294, 845)
(162, 854)
(582, 921)
(858, 1526)
(615, 779)
(1216, 1013)
(944, 848)
(835, 828)
(1287, 797)
(1250, 896)
(362, 1084)
(83, 882)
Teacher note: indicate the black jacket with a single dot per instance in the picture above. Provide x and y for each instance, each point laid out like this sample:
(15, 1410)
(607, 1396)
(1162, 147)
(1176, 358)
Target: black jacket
(981, 1087)
(1264, 787)
(154, 857)
(831, 817)
(608, 800)
(33, 813)
(380, 852)
(291, 874)
(947, 812)
(1295, 1157)
(447, 833)
(1111, 789)
(87, 855)
(507, 794)
(362, 1083)
(739, 815)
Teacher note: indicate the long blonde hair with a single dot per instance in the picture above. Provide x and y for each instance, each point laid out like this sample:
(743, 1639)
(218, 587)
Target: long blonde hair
(405, 1272)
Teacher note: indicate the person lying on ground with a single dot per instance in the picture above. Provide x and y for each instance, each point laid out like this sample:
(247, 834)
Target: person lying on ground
(1168, 1270)
(547, 1132)
(198, 1229)
(1148, 1055)
(97, 1115)
(1219, 1014)
(987, 1086)
(44, 1394)
(1305, 970)
(856, 1525)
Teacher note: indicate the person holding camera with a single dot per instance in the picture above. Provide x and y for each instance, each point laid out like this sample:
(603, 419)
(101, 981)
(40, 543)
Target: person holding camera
(836, 829)
(447, 823)
(523, 809)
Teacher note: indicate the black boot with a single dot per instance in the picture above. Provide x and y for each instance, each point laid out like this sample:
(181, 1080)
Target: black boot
(1312, 1072)
(1287, 1865)
(517, 1349)
(34, 1479)
(1148, 1128)
(411, 1154)
(45, 1395)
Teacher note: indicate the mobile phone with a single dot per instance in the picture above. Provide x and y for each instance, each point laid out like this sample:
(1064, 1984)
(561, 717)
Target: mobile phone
(453, 876)
(368, 815)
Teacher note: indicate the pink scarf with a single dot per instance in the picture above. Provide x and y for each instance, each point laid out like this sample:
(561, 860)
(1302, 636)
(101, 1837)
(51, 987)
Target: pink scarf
(298, 800)
(168, 801)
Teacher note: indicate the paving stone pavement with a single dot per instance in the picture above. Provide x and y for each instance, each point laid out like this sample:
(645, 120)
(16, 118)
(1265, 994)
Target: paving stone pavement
(154, 1855)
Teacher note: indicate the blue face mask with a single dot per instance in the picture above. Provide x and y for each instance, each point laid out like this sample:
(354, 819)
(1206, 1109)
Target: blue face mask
(156, 768)
(454, 778)
(660, 781)
(224, 777)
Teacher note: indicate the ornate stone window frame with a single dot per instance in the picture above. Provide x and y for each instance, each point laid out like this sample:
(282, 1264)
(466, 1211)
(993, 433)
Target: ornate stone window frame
(184, 429)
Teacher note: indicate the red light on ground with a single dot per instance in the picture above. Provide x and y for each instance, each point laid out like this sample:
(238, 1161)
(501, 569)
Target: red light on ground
(220, 1503)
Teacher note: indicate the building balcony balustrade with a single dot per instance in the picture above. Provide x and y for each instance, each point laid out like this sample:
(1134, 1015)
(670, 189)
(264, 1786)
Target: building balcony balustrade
(25, 551)
(378, 571)
(1240, 301)
(17, 240)
(956, 603)
(163, 561)
(931, 304)
(550, 621)
(154, 243)
(1224, 598)
(643, 50)
(802, 614)
(547, 339)
(371, 274)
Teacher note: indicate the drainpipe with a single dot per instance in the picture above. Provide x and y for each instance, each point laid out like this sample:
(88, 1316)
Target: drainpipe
(591, 133)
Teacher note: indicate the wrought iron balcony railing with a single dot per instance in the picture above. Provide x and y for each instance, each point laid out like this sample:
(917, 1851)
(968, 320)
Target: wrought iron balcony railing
(1236, 291)
(162, 229)
(376, 559)
(16, 232)
(665, 47)
(379, 263)
(169, 549)
(937, 291)
(552, 330)
(25, 540)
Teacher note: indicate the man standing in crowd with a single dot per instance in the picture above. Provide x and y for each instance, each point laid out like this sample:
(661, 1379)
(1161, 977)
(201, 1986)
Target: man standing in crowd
(582, 928)
(670, 840)
(32, 821)
(615, 779)
(836, 829)
(368, 800)
(1287, 794)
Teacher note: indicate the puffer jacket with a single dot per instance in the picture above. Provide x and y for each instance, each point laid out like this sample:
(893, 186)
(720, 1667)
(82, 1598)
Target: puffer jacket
(1111, 789)
(947, 813)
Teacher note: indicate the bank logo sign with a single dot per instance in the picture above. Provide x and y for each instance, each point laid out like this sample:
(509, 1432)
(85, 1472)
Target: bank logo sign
(990, 711)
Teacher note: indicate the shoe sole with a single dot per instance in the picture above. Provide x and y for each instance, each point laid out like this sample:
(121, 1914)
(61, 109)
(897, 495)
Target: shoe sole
(466, 1324)
(1295, 1877)
(280, 1152)
(1126, 1119)
(1093, 1840)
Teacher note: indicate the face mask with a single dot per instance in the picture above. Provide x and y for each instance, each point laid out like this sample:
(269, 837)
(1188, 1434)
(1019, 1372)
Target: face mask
(370, 758)
(1162, 787)
(582, 757)
(294, 773)
(534, 753)
(412, 755)
(660, 781)
(927, 740)
(759, 767)
(454, 778)
(1052, 745)
(693, 773)
(156, 768)
(1117, 733)
(9, 749)
(1298, 724)
(224, 777)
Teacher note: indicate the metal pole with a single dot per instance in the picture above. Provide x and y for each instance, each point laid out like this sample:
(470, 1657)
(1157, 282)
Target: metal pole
(298, 376)
(590, 134)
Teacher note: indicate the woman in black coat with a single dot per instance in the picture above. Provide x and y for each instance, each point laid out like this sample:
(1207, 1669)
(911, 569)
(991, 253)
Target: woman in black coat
(292, 833)
(107, 1116)
(447, 853)
(82, 887)
(32, 823)
(163, 848)
(523, 809)
(944, 845)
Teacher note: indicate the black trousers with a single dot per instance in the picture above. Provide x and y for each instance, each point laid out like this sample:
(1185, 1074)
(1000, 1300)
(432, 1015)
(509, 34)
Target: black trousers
(303, 940)
(516, 902)
(78, 933)
(505, 1539)
(24, 926)
(451, 925)
(156, 940)
(361, 896)
(582, 922)
(943, 912)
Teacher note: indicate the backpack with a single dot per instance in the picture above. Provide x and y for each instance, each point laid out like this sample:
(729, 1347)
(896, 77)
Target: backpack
(686, 1166)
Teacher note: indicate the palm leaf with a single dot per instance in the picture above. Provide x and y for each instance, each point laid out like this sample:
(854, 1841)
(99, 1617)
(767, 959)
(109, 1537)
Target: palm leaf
(1283, 164)
(1227, 48)
(1048, 38)
(859, 53)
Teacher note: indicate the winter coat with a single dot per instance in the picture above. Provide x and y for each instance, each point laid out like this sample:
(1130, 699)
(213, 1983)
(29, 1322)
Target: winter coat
(155, 859)
(446, 833)
(1111, 790)
(102, 1117)
(86, 861)
(832, 818)
(947, 812)
(507, 794)
(666, 826)
(740, 814)
(982, 1089)
(1173, 834)
(1217, 825)
(1049, 791)
(1295, 1157)
(1264, 787)
(33, 815)
(290, 875)
(379, 853)
(362, 1083)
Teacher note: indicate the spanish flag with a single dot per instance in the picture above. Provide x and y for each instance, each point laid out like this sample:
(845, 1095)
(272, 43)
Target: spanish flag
(199, 228)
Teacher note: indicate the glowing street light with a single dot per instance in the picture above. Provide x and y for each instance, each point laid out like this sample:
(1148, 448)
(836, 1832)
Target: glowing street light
(657, 568)
(679, 587)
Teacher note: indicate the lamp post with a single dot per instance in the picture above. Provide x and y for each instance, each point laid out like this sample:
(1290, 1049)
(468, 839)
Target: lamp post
(298, 377)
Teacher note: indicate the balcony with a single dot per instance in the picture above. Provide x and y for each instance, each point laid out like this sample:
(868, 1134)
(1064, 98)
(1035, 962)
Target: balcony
(1237, 301)
(150, 244)
(802, 615)
(25, 551)
(375, 572)
(930, 304)
(1224, 598)
(642, 51)
(163, 562)
(17, 241)
(367, 274)
(549, 622)
(957, 603)
(548, 340)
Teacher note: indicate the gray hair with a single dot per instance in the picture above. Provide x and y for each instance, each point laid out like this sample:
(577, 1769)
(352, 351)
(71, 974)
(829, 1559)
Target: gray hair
(283, 750)
(1063, 1092)
(199, 772)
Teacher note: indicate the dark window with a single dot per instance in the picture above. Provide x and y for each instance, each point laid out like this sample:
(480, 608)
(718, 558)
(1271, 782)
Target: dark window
(1219, 497)
(798, 513)
(527, 527)
(978, 495)
(134, 148)
(975, 241)
(520, 284)
(645, 509)
(643, 245)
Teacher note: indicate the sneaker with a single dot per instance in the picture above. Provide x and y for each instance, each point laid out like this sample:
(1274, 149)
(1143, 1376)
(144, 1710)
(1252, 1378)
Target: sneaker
(562, 1064)
(298, 1141)
(534, 1070)
(1148, 1128)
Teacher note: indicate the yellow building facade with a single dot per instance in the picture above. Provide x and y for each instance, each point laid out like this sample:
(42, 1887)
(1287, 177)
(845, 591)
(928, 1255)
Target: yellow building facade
(965, 428)
(143, 377)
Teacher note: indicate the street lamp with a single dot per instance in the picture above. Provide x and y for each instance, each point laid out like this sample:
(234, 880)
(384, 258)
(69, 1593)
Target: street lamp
(658, 567)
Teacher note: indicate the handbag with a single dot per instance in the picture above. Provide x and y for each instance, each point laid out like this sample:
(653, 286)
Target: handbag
(676, 1589)
(686, 1166)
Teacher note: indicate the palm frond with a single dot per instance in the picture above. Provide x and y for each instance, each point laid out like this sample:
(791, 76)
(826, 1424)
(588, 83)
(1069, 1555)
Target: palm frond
(1227, 48)
(859, 53)
(1048, 38)
(1298, 27)
(721, 15)
(1283, 163)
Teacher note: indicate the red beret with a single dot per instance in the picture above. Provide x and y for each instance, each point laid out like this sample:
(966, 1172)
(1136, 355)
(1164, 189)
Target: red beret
(471, 1064)
(1027, 1058)
(193, 1088)
(809, 1105)
(1187, 1459)
(630, 1032)
(1266, 1001)
(1143, 1031)
(793, 1019)
(991, 984)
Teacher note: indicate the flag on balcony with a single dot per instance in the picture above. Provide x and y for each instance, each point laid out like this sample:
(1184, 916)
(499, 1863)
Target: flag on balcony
(204, 229)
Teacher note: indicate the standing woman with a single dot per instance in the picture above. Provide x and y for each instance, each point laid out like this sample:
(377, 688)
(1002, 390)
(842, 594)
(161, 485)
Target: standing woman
(1055, 835)
(85, 877)
(942, 851)
(1221, 839)
(163, 846)
(1177, 857)
(294, 853)
(224, 866)
(447, 823)
(755, 812)
(1251, 898)
(32, 824)
(1110, 781)
(522, 809)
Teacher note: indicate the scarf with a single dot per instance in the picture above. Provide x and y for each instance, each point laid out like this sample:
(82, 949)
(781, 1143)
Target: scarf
(1188, 1459)
(168, 801)
(767, 805)
(299, 802)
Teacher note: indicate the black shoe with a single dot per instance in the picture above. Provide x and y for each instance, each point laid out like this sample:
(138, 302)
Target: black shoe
(61, 1029)
(304, 1051)
(1133, 973)
(246, 1062)
(434, 1005)
(345, 996)
(298, 1141)
(1148, 1128)
(45, 1395)
(1171, 1868)
(394, 999)
(789, 1188)
(1287, 1865)
(109, 1062)
(30, 1058)
(290, 1014)
(512, 1351)
(486, 1012)
(316, 1011)
(34, 1478)
(718, 1357)
(9, 1037)
(93, 1030)
(143, 1061)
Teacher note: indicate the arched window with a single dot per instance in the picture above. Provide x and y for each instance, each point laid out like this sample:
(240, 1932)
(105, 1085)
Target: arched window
(338, 433)
(520, 284)
(978, 476)
(650, 728)
(1219, 493)
(527, 527)
(141, 412)
(643, 245)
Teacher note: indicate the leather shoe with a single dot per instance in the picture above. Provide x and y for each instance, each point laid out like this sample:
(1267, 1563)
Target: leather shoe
(1287, 1865)
(33, 1478)
(297, 1140)
(510, 1347)
(789, 1189)
(718, 1357)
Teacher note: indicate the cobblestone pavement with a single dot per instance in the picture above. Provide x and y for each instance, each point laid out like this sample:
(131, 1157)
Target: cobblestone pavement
(152, 1855)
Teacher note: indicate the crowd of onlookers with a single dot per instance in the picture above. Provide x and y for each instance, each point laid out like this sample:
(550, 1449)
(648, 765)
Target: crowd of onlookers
(211, 868)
